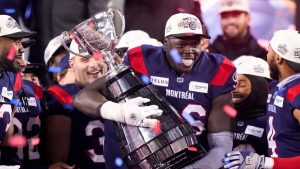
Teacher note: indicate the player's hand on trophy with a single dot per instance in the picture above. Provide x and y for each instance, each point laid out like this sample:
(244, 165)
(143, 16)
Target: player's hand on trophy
(244, 160)
(131, 112)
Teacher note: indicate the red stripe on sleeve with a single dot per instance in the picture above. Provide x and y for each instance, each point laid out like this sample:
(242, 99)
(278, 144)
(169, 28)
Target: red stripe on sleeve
(137, 60)
(18, 82)
(61, 95)
(287, 163)
(293, 92)
(224, 72)
(38, 92)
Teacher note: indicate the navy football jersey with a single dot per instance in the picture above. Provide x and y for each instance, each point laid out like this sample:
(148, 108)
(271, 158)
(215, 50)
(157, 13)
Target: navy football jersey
(87, 133)
(252, 132)
(212, 75)
(10, 86)
(27, 122)
(282, 127)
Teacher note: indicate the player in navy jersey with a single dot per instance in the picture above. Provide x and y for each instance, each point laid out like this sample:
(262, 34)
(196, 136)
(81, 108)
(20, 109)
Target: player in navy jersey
(72, 136)
(249, 99)
(199, 85)
(283, 107)
(10, 81)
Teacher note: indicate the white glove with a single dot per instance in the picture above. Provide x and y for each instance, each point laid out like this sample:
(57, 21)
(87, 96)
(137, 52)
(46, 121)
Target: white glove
(131, 112)
(247, 160)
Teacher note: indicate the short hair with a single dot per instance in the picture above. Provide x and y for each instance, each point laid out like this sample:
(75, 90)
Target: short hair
(295, 66)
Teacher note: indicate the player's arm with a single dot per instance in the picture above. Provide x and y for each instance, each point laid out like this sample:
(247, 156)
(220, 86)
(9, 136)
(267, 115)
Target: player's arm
(58, 138)
(296, 114)
(92, 101)
(220, 137)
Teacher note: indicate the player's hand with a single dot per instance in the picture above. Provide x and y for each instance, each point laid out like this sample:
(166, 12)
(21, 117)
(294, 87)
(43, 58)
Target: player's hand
(243, 160)
(60, 165)
(131, 112)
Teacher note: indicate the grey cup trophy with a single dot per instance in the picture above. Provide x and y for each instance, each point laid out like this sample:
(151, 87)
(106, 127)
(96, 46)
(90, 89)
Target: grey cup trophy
(142, 148)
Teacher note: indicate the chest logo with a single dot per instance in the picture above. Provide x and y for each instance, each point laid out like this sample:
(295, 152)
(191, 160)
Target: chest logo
(7, 94)
(159, 81)
(198, 87)
(278, 101)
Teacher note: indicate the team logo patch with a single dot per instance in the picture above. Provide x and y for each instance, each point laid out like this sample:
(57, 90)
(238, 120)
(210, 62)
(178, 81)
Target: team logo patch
(190, 23)
(254, 131)
(32, 101)
(11, 23)
(279, 101)
(258, 69)
(296, 52)
(159, 81)
(7, 94)
(198, 87)
(282, 48)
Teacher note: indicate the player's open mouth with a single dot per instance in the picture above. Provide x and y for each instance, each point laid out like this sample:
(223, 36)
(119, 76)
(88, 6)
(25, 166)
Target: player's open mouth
(188, 61)
(236, 99)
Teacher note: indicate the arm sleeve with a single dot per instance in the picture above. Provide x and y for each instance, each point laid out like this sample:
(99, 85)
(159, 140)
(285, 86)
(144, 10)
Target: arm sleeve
(220, 143)
(287, 163)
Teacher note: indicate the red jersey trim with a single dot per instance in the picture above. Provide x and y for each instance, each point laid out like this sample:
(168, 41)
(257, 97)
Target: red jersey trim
(137, 60)
(61, 95)
(224, 72)
(18, 82)
(38, 92)
(292, 92)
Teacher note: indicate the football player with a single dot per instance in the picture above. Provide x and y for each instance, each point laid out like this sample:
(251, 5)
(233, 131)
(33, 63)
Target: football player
(283, 108)
(194, 82)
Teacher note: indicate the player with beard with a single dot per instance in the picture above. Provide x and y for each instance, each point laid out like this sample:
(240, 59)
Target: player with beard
(11, 48)
(206, 78)
(249, 99)
(283, 108)
(237, 39)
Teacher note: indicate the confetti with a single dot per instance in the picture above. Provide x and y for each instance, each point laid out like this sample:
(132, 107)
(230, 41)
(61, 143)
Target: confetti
(157, 128)
(97, 56)
(175, 56)
(10, 10)
(17, 141)
(192, 149)
(54, 69)
(118, 161)
(230, 111)
(16, 102)
(35, 141)
(181, 10)
(188, 118)
(11, 53)
(68, 106)
(145, 79)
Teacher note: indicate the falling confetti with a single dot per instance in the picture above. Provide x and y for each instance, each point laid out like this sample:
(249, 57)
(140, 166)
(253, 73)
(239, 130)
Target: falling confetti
(118, 162)
(68, 106)
(230, 111)
(10, 10)
(97, 56)
(188, 118)
(35, 141)
(157, 128)
(11, 54)
(181, 10)
(54, 69)
(17, 141)
(192, 149)
(175, 56)
(16, 102)
(145, 79)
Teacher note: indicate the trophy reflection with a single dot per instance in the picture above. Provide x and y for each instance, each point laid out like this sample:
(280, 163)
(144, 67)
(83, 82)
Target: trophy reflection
(140, 147)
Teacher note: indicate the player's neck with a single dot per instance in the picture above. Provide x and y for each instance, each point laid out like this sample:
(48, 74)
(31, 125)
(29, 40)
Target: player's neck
(285, 74)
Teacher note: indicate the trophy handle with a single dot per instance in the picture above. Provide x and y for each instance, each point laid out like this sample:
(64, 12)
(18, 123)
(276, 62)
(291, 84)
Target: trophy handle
(66, 37)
